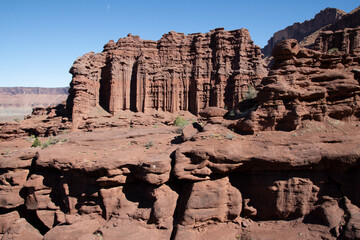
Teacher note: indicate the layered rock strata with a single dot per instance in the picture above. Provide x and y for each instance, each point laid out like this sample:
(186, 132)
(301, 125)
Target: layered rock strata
(178, 72)
(350, 20)
(137, 178)
(299, 31)
(112, 184)
(303, 85)
(341, 37)
(345, 41)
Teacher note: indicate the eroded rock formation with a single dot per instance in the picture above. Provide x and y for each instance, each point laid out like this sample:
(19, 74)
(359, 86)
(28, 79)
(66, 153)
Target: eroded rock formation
(132, 176)
(304, 84)
(345, 41)
(112, 184)
(178, 72)
(299, 31)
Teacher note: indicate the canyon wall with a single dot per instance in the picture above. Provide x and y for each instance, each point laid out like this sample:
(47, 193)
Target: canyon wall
(299, 31)
(177, 72)
(350, 20)
(134, 178)
(345, 41)
(113, 184)
(305, 84)
(342, 37)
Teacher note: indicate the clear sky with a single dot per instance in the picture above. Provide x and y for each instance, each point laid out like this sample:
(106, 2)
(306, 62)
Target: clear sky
(40, 39)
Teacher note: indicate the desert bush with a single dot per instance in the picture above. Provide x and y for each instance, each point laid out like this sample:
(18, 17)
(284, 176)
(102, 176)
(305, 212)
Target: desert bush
(234, 113)
(36, 143)
(31, 138)
(53, 141)
(180, 122)
(251, 93)
(149, 145)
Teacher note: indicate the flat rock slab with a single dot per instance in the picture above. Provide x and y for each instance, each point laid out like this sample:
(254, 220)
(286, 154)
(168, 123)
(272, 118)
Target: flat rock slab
(320, 147)
(115, 155)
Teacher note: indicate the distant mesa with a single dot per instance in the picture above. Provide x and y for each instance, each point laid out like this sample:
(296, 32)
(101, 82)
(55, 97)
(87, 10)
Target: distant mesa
(17, 102)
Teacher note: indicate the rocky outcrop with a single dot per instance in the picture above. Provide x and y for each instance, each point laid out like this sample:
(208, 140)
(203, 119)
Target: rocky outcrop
(113, 184)
(329, 30)
(342, 37)
(299, 31)
(129, 175)
(305, 85)
(339, 42)
(178, 72)
(49, 121)
(350, 20)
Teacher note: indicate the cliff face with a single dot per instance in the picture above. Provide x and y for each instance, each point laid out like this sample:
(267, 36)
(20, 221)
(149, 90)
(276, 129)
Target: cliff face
(299, 31)
(345, 41)
(342, 36)
(351, 20)
(137, 178)
(138, 183)
(178, 72)
(304, 84)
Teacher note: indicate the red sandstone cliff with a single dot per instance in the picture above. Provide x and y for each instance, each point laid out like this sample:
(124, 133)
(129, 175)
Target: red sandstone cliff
(345, 41)
(178, 72)
(133, 179)
(350, 20)
(299, 31)
(342, 37)
(304, 84)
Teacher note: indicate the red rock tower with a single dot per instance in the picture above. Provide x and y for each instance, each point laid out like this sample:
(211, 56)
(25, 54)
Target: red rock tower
(177, 73)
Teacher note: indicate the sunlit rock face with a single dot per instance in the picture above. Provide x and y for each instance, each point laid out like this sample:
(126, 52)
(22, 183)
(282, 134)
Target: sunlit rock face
(177, 72)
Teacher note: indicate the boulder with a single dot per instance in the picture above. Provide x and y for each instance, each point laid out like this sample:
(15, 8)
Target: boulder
(22, 230)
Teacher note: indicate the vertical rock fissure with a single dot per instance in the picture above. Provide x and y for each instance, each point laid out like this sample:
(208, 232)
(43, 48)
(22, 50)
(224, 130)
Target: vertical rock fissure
(134, 97)
(104, 89)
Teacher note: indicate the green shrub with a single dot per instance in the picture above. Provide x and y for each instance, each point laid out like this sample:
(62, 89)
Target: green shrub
(53, 141)
(234, 113)
(36, 143)
(48, 143)
(180, 122)
(31, 138)
(251, 93)
(149, 145)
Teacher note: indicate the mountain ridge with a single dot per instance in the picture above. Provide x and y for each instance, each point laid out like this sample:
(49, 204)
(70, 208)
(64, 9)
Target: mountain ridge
(299, 31)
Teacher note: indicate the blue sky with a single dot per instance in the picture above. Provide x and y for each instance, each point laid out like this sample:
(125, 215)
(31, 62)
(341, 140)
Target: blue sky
(40, 39)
